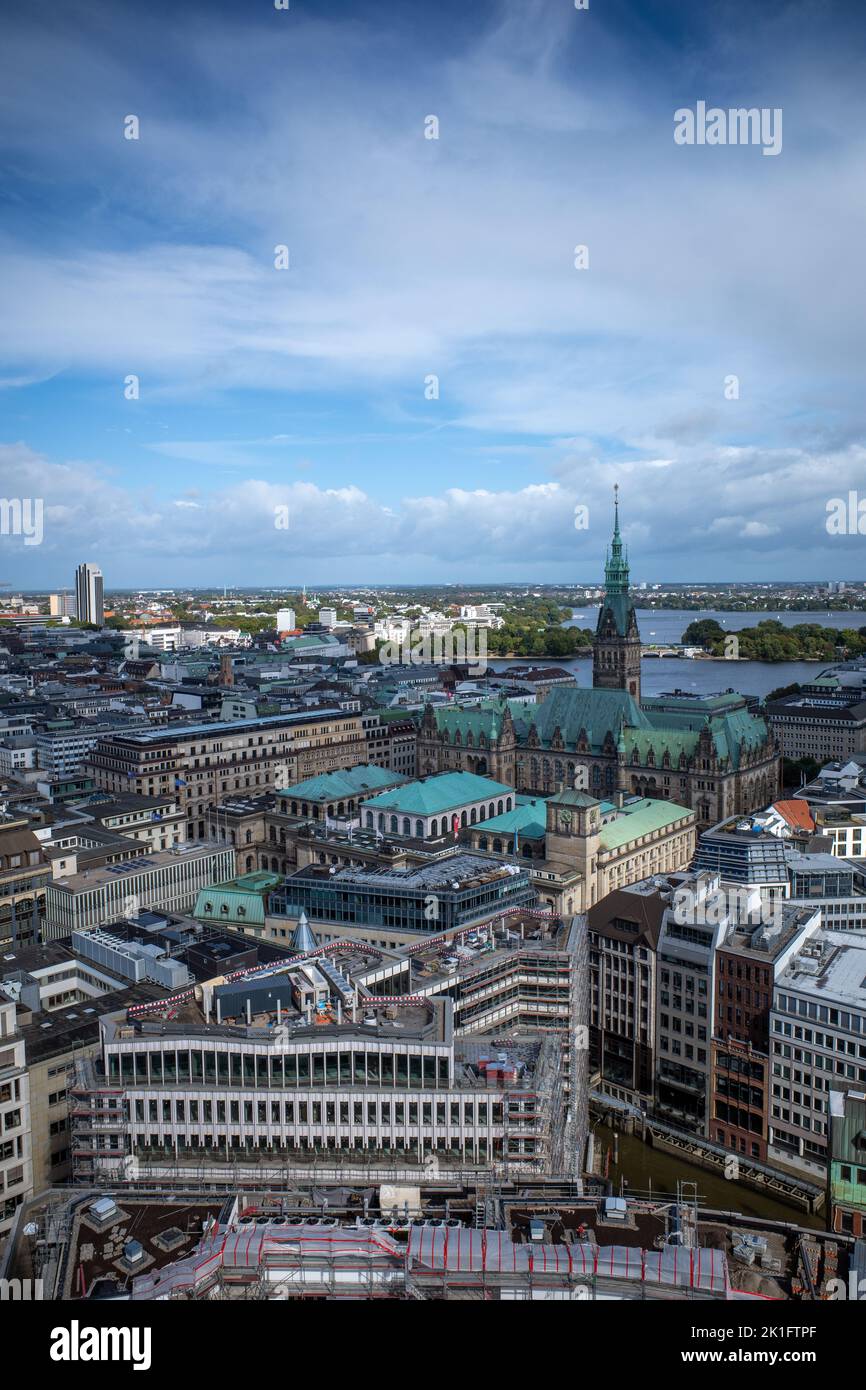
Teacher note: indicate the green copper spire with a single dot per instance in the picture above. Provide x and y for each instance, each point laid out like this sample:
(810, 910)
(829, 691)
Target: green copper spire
(616, 565)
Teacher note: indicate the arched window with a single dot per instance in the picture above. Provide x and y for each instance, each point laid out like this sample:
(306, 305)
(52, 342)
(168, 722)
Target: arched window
(472, 816)
(407, 826)
(419, 829)
(370, 820)
(394, 824)
(499, 808)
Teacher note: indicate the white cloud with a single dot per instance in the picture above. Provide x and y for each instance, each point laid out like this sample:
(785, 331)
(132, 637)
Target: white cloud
(509, 532)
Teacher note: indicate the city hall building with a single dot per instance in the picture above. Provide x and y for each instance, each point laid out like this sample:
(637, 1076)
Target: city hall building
(708, 753)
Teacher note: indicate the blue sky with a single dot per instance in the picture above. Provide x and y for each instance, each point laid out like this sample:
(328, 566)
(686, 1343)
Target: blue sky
(305, 388)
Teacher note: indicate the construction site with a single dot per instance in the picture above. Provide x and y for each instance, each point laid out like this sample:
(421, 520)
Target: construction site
(443, 1238)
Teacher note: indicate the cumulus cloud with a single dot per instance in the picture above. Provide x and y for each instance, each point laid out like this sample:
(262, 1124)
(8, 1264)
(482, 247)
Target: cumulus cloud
(528, 532)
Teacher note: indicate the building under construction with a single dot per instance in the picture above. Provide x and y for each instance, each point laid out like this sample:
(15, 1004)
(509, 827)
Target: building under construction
(443, 1238)
(470, 1052)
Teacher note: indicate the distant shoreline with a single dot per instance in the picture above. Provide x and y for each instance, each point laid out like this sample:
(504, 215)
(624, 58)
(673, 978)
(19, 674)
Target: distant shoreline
(721, 660)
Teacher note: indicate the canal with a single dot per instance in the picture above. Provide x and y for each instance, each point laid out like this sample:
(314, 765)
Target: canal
(642, 1169)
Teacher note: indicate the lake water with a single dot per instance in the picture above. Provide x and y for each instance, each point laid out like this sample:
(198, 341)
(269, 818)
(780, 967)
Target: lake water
(667, 625)
(660, 675)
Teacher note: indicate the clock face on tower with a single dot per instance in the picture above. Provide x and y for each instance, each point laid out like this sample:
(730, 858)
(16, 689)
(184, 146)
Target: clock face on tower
(565, 818)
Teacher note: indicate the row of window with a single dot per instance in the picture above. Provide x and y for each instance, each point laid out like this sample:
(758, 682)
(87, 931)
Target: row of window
(329, 1112)
(350, 1067)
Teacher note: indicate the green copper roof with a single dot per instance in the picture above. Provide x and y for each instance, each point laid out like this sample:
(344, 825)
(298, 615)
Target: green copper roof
(671, 740)
(337, 786)
(240, 900)
(486, 718)
(529, 819)
(640, 818)
(443, 792)
(596, 712)
(571, 797)
(679, 733)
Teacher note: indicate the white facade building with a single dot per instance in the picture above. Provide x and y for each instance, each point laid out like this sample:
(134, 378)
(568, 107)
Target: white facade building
(16, 1166)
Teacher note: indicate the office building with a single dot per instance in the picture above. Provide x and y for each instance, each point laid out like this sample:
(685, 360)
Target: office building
(165, 879)
(62, 606)
(847, 1176)
(692, 928)
(254, 1074)
(89, 595)
(16, 1166)
(24, 877)
(202, 763)
(818, 1046)
(394, 907)
(748, 962)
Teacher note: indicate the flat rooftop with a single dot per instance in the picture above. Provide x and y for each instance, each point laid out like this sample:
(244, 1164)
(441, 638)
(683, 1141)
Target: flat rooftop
(745, 941)
(72, 1027)
(839, 976)
(145, 863)
(148, 737)
(458, 870)
(425, 1021)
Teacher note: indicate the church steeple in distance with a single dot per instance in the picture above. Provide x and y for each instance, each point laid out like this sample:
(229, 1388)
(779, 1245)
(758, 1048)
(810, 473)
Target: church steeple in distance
(617, 648)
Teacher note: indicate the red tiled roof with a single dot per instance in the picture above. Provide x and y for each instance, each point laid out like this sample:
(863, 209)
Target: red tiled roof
(796, 813)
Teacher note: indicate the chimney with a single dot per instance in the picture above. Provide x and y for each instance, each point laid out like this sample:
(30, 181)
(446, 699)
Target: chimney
(227, 675)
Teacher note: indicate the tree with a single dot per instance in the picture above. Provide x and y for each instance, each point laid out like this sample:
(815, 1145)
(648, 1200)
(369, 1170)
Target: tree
(797, 770)
(703, 633)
